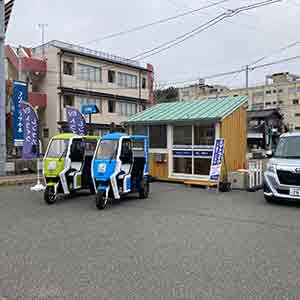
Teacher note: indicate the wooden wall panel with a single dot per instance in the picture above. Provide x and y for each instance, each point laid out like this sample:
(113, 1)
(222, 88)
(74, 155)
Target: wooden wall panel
(234, 131)
(159, 170)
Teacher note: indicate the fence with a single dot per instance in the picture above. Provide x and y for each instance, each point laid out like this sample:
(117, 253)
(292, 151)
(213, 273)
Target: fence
(255, 169)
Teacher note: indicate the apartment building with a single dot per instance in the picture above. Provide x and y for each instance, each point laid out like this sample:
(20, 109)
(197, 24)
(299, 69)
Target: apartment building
(281, 91)
(62, 74)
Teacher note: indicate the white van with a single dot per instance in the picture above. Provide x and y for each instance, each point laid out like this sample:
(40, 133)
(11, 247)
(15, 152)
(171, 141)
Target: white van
(282, 177)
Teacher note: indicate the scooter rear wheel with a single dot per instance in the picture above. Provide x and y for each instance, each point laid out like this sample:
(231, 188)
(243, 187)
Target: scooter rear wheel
(49, 195)
(144, 191)
(101, 200)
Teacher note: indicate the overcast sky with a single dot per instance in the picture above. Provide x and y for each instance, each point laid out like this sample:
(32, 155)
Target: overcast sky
(228, 45)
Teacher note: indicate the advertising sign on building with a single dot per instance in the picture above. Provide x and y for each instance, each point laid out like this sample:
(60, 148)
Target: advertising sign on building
(89, 109)
(20, 94)
(216, 161)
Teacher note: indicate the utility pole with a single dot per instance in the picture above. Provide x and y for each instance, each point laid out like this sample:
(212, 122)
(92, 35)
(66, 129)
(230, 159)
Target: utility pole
(247, 85)
(42, 27)
(2, 92)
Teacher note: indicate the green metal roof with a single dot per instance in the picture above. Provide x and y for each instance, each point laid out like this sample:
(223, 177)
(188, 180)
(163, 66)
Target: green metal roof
(194, 110)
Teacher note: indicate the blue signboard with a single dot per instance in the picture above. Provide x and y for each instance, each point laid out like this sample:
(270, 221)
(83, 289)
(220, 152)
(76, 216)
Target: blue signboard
(216, 161)
(190, 153)
(20, 93)
(89, 109)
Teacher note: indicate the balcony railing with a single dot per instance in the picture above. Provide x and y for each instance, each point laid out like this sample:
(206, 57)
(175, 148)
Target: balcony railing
(87, 51)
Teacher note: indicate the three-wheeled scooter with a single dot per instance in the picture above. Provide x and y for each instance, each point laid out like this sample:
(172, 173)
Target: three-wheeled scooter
(67, 165)
(120, 166)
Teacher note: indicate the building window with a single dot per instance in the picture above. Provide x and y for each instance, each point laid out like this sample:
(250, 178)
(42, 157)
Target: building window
(111, 76)
(280, 102)
(158, 137)
(268, 92)
(144, 83)
(274, 91)
(111, 106)
(297, 115)
(258, 94)
(182, 135)
(274, 102)
(297, 128)
(46, 133)
(89, 73)
(268, 103)
(126, 80)
(280, 91)
(68, 100)
(296, 101)
(292, 90)
(68, 68)
(127, 109)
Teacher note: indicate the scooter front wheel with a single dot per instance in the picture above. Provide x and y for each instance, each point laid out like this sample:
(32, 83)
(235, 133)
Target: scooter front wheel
(101, 200)
(50, 196)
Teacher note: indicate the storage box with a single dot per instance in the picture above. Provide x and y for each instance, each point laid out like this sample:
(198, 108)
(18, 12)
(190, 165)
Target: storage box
(239, 180)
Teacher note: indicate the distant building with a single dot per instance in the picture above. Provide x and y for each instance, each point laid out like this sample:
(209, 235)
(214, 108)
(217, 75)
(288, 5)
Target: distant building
(61, 74)
(281, 91)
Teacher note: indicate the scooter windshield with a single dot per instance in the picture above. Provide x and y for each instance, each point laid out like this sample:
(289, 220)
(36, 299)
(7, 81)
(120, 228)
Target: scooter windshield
(107, 150)
(58, 148)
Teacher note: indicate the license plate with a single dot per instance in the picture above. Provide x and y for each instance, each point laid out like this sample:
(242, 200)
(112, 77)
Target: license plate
(295, 192)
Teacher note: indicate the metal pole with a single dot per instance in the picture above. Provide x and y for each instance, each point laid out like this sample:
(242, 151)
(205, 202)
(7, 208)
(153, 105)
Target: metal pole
(19, 64)
(247, 85)
(2, 92)
(43, 26)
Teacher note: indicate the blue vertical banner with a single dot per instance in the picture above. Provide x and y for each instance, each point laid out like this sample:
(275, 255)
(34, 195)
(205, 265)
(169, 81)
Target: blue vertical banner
(20, 94)
(31, 131)
(217, 159)
(76, 121)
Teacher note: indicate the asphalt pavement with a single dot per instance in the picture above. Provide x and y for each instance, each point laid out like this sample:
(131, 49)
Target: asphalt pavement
(181, 243)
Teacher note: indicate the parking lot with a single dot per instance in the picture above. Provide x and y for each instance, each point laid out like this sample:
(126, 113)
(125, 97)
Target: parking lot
(181, 243)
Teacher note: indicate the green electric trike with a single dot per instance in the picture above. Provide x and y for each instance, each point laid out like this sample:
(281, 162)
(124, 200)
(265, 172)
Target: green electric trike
(67, 165)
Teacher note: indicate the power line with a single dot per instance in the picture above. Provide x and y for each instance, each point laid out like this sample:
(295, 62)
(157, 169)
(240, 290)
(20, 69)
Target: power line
(232, 72)
(230, 13)
(160, 21)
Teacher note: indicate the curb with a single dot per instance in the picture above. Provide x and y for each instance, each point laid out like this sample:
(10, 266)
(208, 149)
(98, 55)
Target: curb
(17, 181)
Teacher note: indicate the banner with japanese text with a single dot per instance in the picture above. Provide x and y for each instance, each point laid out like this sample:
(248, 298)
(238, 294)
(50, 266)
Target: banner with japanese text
(31, 131)
(76, 121)
(20, 94)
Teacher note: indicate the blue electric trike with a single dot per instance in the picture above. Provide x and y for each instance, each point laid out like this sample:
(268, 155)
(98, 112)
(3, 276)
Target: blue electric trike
(120, 166)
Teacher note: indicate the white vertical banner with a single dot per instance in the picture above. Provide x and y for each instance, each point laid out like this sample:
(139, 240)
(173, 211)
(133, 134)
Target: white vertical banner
(216, 161)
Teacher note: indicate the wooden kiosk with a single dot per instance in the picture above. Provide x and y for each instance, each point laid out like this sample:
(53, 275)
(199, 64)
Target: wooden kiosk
(182, 136)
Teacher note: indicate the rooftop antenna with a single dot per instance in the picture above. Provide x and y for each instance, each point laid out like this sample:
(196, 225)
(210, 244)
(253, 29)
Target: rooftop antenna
(43, 26)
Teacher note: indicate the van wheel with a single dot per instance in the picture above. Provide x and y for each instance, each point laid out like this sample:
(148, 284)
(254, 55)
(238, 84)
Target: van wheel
(270, 199)
(49, 195)
(144, 191)
(101, 201)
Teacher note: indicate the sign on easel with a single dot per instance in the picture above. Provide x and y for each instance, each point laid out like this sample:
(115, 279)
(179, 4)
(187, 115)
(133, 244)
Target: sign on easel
(216, 161)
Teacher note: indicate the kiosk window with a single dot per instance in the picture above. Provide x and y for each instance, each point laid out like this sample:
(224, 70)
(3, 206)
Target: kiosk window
(140, 130)
(182, 135)
(183, 165)
(204, 135)
(158, 137)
